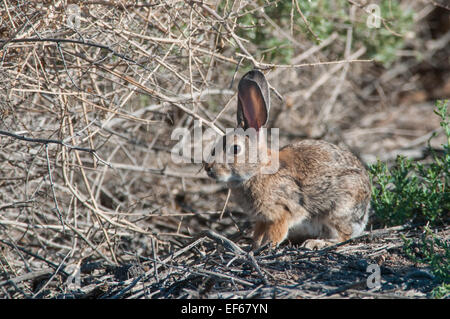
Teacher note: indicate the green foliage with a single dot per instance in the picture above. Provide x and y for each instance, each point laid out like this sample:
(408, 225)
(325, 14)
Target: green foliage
(411, 191)
(324, 18)
(383, 43)
(271, 45)
(432, 251)
(442, 291)
(435, 253)
(419, 193)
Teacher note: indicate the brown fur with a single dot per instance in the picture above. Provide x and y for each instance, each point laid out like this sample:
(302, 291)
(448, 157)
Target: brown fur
(316, 181)
(317, 184)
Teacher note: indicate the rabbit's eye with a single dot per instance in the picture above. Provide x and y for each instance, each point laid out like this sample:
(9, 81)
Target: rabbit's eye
(235, 149)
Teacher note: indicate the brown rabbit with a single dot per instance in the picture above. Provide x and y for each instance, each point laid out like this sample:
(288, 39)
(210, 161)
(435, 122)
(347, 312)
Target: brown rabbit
(319, 195)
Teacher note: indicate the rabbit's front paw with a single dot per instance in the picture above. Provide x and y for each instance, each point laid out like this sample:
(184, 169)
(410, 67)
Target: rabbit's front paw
(316, 244)
(270, 232)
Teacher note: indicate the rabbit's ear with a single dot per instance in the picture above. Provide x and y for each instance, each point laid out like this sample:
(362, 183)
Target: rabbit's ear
(253, 100)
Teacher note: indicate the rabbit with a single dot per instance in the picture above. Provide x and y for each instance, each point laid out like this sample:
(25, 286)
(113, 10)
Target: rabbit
(320, 194)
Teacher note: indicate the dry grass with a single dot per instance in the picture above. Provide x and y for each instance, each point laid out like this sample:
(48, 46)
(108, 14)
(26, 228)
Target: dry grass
(86, 113)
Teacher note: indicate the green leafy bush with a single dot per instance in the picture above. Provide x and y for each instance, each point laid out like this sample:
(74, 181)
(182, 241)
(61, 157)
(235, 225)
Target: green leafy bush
(432, 251)
(436, 254)
(441, 291)
(411, 191)
(418, 193)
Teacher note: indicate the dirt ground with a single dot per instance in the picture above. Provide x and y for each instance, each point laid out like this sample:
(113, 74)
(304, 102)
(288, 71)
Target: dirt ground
(212, 266)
